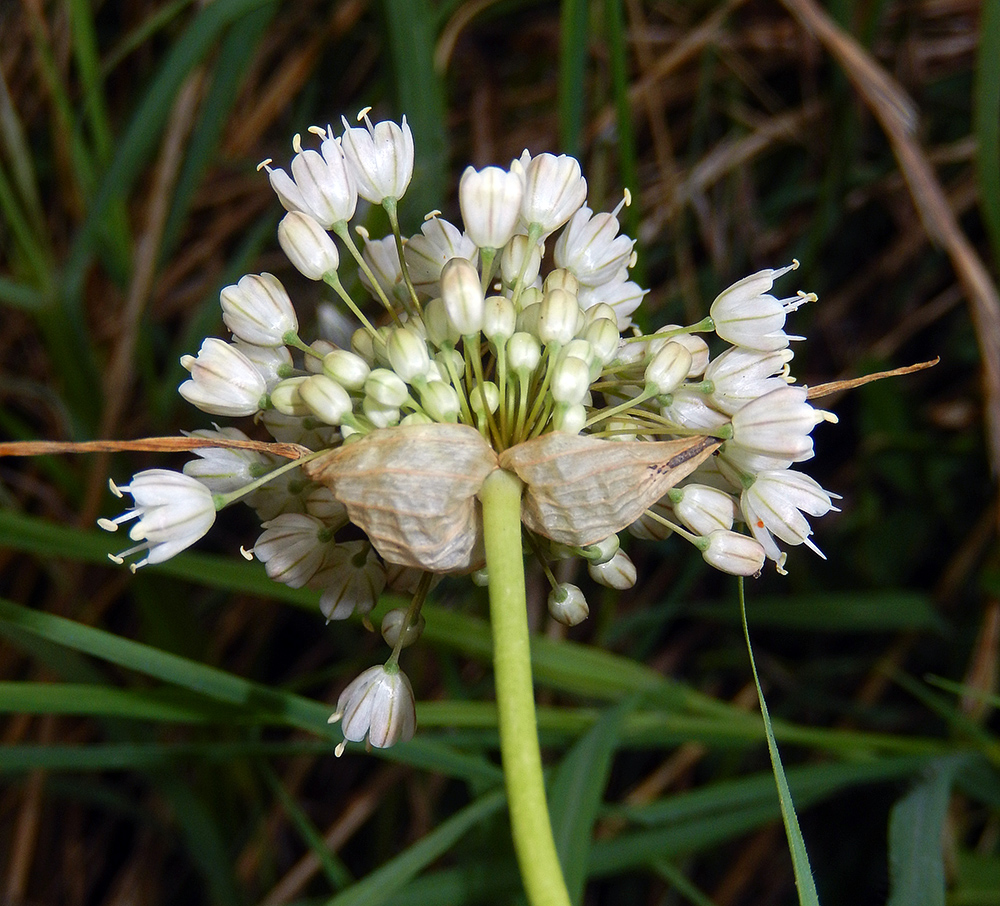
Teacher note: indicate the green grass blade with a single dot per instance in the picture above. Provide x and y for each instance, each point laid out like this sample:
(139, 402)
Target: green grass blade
(137, 143)
(380, 885)
(335, 870)
(800, 858)
(410, 28)
(573, 36)
(88, 66)
(916, 857)
(265, 703)
(576, 793)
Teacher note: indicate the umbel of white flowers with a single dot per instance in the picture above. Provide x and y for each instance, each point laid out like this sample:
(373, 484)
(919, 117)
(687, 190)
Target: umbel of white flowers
(473, 359)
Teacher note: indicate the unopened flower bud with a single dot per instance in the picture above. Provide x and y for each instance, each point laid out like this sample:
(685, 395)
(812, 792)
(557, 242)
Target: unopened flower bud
(693, 344)
(347, 368)
(257, 310)
(567, 604)
(668, 368)
(386, 388)
(407, 354)
(363, 345)
(441, 333)
(326, 399)
(733, 553)
(523, 353)
(483, 397)
(313, 362)
(285, 398)
(307, 245)
(380, 416)
(557, 320)
(520, 257)
(602, 551)
(560, 278)
(392, 627)
(703, 509)
(570, 418)
(499, 319)
(604, 338)
(463, 296)
(440, 401)
(570, 380)
(618, 572)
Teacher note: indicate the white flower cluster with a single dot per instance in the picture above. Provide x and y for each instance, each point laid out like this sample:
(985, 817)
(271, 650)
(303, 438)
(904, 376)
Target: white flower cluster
(472, 332)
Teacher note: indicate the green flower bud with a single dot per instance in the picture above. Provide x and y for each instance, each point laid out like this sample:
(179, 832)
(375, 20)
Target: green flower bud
(568, 605)
(285, 398)
(347, 368)
(326, 399)
(408, 354)
(386, 388)
(463, 296)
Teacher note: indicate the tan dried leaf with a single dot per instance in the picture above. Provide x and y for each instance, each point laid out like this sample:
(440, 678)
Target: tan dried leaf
(412, 490)
(580, 489)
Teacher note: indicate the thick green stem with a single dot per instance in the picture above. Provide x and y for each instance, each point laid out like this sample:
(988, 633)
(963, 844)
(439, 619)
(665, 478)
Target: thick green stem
(522, 761)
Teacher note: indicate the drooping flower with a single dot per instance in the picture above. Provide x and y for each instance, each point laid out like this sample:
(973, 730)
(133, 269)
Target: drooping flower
(378, 704)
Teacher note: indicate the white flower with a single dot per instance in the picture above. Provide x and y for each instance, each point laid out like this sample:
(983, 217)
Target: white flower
(293, 548)
(226, 469)
(703, 509)
(352, 579)
(690, 409)
(490, 200)
(591, 248)
(257, 310)
(321, 185)
(733, 553)
(746, 315)
(273, 362)
(774, 505)
(740, 375)
(378, 704)
(223, 380)
(173, 510)
(307, 245)
(380, 157)
(427, 254)
(621, 294)
(553, 190)
(381, 256)
(778, 424)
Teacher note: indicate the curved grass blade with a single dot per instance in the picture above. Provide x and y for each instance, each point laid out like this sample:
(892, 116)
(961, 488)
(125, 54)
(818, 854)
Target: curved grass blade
(800, 858)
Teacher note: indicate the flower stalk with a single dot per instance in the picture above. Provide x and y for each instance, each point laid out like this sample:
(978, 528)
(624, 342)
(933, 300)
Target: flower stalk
(522, 763)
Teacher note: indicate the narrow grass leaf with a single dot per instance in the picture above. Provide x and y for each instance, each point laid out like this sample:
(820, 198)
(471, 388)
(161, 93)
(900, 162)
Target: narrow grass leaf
(410, 27)
(576, 793)
(265, 703)
(335, 870)
(916, 852)
(380, 885)
(800, 859)
(573, 16)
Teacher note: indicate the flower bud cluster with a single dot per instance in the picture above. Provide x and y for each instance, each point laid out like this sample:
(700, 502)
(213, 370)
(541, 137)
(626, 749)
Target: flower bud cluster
(468, 328)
